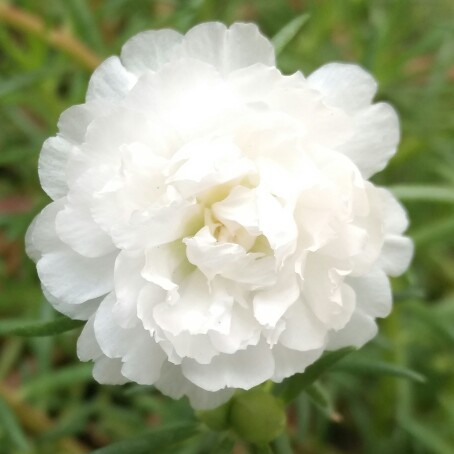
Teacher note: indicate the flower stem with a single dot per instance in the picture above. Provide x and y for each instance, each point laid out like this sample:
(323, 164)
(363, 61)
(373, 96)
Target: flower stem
(24, 21)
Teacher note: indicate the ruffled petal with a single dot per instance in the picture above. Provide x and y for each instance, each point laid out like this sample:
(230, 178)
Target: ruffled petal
(87, 345)
(239, 46)
(346, 86)
(174, 384)
(108, 372)
(244, 369)
(396, 255)
(149, 50)
(375, 138)
(74, 279)
(359, 330)
(110, 81)
(373, 293)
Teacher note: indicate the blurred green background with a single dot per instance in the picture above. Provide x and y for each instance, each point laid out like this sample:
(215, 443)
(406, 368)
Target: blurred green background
(373, 403)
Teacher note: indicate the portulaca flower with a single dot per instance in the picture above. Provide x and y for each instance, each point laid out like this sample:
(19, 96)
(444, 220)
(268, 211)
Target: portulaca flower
(212, 220)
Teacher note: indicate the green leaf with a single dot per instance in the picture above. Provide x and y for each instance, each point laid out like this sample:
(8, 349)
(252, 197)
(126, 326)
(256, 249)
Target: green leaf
(12, 428)
(153, 441)
(31, 328)
(58, 379)
(294, 385)
(424, 193)
(426, 436)
(376, 367)
(288, 32)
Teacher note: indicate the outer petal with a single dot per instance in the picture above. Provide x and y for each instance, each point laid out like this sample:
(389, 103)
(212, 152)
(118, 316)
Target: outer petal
(108, 372)
(55, 153)
(289, 362)
(244, 369)
(375, 139)
(74, 279)
(174, 384)
(41, 235)
(87, 345)
(76, 227)
(373, 293)
(239, 46)
(110, 81)
(113, 340)
(149, 50)
(52, 166)
(396, 255)
(144, 360)
(346, 86)
(358, 331)
(303, 331)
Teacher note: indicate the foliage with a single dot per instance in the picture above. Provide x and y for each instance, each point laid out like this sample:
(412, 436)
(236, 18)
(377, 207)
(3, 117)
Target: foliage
(396, 395)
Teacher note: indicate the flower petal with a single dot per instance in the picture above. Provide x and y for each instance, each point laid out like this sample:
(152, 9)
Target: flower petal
(110, 81)
(375, 138)
(108, 372)
(239, 46)
(174, 384)
(149, 50)
(244, 369)
(359, 330)
(74, 279)
(373, 293)
(346, 86)
(396, 254)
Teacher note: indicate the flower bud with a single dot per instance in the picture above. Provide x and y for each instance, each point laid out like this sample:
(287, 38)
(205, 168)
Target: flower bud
(257, 416)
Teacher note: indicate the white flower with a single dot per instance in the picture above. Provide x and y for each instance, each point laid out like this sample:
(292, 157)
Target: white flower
(212, 219)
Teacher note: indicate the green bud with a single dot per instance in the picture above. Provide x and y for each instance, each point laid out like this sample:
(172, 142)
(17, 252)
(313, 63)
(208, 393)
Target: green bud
(257, 416)
(216, 419)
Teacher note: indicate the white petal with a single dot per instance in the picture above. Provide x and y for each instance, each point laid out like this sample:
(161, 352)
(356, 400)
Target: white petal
(174, 384)
(289, 362)
(56, 151)
(208, 164)
(110, 81)
(191, 312)
(395, 216)
(360, 329)
(270, 305)
(76, 227)
(303, 331)
(244, 369)
(82, 311)
(108, 372)
(74, 121)
(244, 331)
(40, 236)
(87, 345)
(149, 50)
(113, 340)
(240, 46)
(150, 295)
(346, 86)
(396, 255)
(74, 279)
(375, 138)
(52, 166)
(195, 346)
(229, 260)
(161, 263)
(240, 207)
(128, 285)
(143, 360)
(373, 293)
